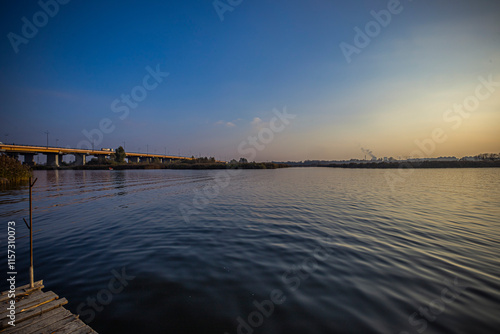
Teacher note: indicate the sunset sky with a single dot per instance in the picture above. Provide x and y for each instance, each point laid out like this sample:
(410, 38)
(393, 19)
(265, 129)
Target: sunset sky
(227, 76)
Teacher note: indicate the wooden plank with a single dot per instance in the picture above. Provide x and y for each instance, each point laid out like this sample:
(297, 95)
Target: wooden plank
(39, 312)
(29, 303)
(45, 320)
(35, 312)
(22, 296)
(48, 328)
(72, 327)
(23, 300)
(47, 297)
(18, 299)
(25, 289)
(53, 314)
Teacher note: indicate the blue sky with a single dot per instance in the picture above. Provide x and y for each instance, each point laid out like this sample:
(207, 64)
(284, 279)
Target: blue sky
(226, 77)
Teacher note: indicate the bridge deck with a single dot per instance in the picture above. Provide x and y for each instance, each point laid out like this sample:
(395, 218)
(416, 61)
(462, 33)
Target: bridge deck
(28, 149)
(39, 312)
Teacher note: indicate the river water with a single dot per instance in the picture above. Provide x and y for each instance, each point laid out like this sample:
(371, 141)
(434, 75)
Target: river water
(298, 250)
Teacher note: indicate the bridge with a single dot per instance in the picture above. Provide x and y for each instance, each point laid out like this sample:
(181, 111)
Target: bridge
(55, 154)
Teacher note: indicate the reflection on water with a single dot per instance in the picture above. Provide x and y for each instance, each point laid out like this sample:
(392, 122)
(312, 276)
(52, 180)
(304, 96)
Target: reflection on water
(347, 254)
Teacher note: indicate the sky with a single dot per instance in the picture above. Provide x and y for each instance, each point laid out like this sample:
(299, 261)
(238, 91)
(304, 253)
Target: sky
(266, 80)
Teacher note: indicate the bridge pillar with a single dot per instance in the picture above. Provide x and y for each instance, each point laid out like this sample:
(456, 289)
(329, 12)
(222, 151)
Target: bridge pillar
(145, 159)
(80, 159)
(52, 159)
(133, 159)
(29, 159)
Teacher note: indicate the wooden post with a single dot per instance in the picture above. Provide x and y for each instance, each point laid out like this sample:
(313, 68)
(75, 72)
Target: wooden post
(32, 279)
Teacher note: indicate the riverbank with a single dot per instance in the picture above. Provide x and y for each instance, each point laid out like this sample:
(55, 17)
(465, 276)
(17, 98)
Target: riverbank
(423, 164)
(250, 165)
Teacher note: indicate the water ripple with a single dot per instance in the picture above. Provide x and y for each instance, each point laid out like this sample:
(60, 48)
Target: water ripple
(385, 255)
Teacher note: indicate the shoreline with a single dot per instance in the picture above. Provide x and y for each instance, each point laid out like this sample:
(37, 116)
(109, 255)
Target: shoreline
(269, 165)
(196, 166)
(415, 164)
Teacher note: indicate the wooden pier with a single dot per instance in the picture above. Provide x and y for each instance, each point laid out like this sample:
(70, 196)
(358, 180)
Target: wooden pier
(39, 312)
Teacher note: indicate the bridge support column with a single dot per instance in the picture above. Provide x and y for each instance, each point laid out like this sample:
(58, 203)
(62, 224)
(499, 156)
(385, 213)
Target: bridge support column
(133, 159)
(53, 159)
(29, 159)
(145, 159)
(80, 159)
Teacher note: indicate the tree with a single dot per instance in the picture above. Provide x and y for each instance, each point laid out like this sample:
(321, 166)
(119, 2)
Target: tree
(11, 170)
(243, 161)
(119, 155)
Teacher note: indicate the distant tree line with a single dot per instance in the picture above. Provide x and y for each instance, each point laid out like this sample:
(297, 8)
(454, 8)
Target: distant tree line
(423, 164)
(489, 156)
